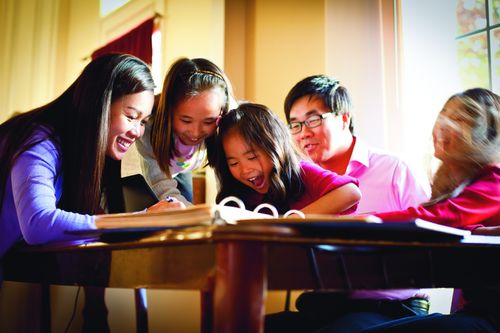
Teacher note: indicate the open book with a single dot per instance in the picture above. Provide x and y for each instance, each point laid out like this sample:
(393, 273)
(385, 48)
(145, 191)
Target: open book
(196, 215)
(360, 227)
(203, 214)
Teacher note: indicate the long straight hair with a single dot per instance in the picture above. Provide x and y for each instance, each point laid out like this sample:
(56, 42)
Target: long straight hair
(261, 128)
(185, 78)
(78, 122)
(476, 124)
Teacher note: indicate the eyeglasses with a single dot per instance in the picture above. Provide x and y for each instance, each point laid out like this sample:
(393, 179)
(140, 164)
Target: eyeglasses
(310, 122)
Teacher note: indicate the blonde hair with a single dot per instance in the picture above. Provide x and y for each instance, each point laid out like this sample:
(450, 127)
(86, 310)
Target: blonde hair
(476, 122)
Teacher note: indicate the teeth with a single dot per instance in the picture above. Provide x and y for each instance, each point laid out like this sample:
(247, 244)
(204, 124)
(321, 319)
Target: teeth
(252, 179)
(123, 143)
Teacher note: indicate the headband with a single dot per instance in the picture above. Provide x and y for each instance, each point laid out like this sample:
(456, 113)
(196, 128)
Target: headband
(202, 71)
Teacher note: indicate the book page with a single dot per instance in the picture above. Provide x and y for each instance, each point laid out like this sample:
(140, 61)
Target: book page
(441, 228)
(193, 215)
(202, 214)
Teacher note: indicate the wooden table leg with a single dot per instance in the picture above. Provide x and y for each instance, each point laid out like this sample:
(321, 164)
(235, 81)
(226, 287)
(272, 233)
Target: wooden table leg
(240, 287)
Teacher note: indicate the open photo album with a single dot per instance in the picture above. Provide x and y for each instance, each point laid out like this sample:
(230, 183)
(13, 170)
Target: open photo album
(138, 195)
(240, 219)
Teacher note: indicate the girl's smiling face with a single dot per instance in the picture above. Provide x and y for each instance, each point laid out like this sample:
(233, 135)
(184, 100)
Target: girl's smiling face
(194, 118)
(128, 116)
(249, 165)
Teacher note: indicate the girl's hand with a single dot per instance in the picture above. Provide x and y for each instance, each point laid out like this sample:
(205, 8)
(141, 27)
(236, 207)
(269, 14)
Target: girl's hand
(165, 205)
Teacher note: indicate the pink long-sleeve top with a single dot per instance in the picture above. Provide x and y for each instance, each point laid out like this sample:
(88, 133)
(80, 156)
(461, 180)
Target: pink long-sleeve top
(477, 205)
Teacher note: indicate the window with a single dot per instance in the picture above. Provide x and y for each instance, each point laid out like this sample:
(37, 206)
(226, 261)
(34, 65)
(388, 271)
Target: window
(478, 43)
(108, 6)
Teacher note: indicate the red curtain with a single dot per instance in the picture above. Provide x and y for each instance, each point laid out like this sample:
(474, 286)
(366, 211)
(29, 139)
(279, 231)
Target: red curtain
(136, 42)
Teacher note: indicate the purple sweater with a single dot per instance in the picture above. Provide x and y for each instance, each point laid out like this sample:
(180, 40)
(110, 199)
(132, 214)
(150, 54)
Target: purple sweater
(29, 205)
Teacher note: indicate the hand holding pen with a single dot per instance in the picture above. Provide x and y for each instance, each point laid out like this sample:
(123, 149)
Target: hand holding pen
(167, 203)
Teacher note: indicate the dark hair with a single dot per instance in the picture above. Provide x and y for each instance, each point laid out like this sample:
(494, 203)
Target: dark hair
(328, 89)
(78, 121)
(261, 128)
(185, 78)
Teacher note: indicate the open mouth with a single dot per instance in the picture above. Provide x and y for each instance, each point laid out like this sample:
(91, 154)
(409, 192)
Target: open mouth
(257, 181)
(124, 145)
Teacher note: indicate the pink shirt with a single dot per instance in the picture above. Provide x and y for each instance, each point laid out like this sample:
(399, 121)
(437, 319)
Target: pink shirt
(386, 182)
(478, 204)
(318, 182)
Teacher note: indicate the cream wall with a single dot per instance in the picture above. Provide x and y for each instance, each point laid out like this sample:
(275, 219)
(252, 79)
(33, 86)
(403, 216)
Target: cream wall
(358, 61)
(289, 43)
(28, 62)
(270, 46)
(194, 29)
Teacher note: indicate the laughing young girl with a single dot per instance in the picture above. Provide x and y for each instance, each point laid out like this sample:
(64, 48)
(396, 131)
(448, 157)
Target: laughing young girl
(254, 159)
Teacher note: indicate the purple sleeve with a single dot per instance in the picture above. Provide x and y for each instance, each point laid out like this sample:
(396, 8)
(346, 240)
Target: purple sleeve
(36, 192)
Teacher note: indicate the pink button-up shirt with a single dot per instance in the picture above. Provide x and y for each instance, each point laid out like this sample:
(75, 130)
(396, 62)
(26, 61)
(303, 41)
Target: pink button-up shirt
(386, 182)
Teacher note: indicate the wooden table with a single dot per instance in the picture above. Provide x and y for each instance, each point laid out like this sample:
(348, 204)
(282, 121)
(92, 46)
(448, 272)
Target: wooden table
(235, 265)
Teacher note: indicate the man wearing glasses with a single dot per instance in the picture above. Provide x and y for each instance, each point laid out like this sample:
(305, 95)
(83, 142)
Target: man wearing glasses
(318, 111)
